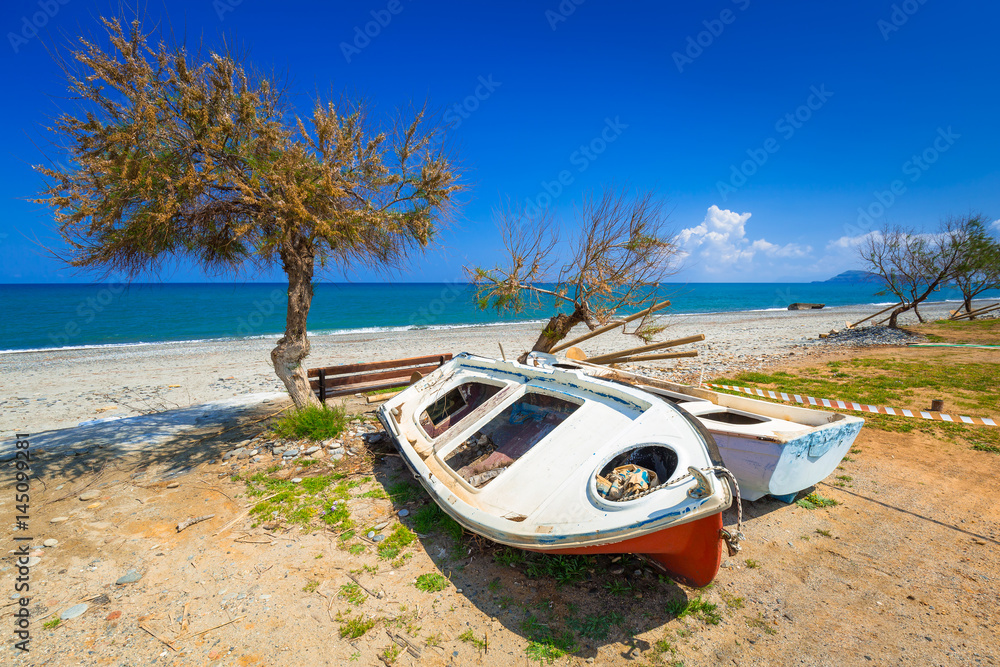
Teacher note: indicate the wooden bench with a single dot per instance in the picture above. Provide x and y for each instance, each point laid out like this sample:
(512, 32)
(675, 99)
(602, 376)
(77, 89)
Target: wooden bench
(358, 378)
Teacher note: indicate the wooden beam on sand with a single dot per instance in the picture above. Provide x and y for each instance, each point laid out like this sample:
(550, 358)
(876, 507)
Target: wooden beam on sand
(981, 311)
(608, 327)
(649, 357)
(604, 358)
(897, 305)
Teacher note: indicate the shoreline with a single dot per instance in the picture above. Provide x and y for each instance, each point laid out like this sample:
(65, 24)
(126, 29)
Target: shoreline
(59, 388)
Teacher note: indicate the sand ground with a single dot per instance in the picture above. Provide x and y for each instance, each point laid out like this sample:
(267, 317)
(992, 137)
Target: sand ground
(903, 570)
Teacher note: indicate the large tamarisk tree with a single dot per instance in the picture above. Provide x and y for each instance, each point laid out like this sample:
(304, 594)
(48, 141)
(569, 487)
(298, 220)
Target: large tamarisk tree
(178, 156)
(617, 253)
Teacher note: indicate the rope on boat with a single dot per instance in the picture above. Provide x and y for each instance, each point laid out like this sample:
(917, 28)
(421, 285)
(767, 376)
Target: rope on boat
(732, 539)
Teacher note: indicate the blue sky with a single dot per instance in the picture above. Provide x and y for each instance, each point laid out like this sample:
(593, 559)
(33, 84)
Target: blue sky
(777, 132)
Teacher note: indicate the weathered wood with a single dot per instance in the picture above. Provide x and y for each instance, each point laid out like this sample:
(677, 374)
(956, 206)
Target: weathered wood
(333, 381)
(600, 359)
(608, 327)
(977, 311)
(380, 365)
(652, 357)
(895, 305)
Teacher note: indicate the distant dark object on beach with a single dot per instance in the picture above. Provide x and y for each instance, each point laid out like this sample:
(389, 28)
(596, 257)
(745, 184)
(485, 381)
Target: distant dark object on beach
(853, 277)
(806, 306)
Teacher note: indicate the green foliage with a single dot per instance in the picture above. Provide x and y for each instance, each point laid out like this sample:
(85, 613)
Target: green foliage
(390, 653)
(824, 533)
(310, 587)
(352, 593)
(508, 556)
(618, 587)
(315, 422)
(564, 569)
(470, 638)
(431, 582)
(52, 624)
(352, 628)
(405, 492)
(398, 539)
(299, 503)
(596, 626)
(544, 645)
(814, 501)
(761, 623)
(431, 519)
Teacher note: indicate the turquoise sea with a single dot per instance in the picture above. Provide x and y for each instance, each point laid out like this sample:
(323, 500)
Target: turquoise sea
(59, 316)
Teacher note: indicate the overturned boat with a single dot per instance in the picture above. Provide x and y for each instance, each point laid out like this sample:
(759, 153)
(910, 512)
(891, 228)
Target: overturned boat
(772, 449)
(550, 459)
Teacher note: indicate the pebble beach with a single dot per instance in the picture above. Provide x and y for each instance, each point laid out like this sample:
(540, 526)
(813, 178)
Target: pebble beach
(53, 389)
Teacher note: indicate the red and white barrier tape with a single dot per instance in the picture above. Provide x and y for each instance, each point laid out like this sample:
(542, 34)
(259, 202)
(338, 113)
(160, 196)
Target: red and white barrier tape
(859, 407)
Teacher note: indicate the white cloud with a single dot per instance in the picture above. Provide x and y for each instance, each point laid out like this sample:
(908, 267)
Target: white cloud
(996, 224)
(720, 243)
(851, 242)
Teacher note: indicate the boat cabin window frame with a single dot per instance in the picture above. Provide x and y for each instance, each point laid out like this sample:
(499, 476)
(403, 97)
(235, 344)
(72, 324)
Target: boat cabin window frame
(442, 453)
(424, 407)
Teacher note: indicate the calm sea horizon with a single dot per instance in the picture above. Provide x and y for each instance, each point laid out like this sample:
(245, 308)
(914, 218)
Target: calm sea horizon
(50, 316)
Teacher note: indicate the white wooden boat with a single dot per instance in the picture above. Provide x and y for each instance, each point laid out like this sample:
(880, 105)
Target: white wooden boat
(514, 453)
(772, 449)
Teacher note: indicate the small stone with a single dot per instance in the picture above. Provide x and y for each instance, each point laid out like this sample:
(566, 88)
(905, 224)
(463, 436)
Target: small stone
(113, 616)
(33, 561)
(371, 534)
(256, 459)
(51, 542)
(254, 452)
(129, 577)
(265, 597)
(403, 513)
(290, 453)
(94, 506)
(296, 480)
(59, 519)
(311, 450)
(74, 611)
(90, 495)
(382, 525)
(378, 538)
(173, 485)
(214, 655)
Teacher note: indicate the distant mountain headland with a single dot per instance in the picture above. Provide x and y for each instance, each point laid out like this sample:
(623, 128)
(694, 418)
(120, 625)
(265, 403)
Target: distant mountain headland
(853, 277)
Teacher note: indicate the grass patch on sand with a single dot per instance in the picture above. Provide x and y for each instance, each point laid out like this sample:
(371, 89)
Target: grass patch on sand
(967, 332)
(301, 503)
(815, 501)
(352, 628)
(398, 539)
(544, 644)
(431, 582)
(315, 422)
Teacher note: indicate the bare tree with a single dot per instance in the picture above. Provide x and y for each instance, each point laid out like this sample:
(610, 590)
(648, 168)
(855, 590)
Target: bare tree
(189, 156)
(979, 270)
(619, 253)
(913, 265)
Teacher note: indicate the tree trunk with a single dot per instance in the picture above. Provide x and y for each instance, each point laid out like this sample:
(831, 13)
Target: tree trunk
(895, 315)
(968, 305)
(556, 330)
(917, 311)
(297, 257)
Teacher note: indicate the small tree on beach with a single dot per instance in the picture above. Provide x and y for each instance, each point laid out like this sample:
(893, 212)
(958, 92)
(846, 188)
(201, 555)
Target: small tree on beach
(178, 155)
(979, 270)
(618, 254)
(913, 266)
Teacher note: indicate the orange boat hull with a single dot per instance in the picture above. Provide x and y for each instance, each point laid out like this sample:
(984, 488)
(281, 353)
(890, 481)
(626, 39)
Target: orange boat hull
(690, 552)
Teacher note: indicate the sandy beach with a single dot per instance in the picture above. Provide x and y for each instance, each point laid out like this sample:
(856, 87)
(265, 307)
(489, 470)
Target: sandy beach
(61, 388)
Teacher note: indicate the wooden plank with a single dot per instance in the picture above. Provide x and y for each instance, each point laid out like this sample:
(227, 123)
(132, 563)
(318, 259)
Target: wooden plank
(362, 378)
(603, 358)
(608, 327)
(652, 357)
(438, 359)
(362, 388)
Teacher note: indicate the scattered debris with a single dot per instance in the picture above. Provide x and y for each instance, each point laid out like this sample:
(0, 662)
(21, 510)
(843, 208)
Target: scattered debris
(190, 522)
